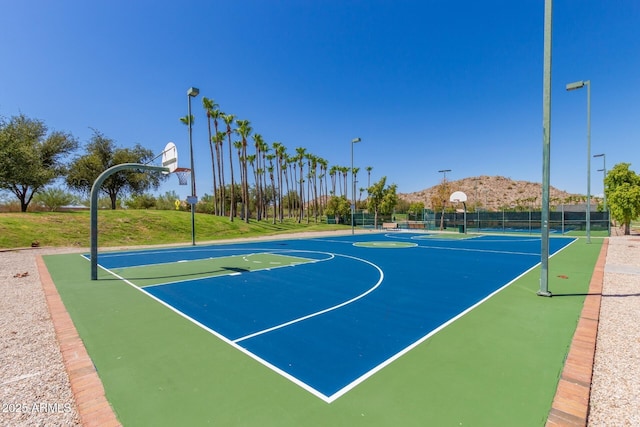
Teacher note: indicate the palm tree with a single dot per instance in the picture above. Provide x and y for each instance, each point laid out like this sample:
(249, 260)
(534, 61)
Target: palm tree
(309, 186)
(287, 162)
(259, 145)
(324, 164)
(209, 106)
(216, 114)
(345, 172)
(300, 159)
(241, 161)
(185, 120)
(293, 172)
(313, 182)
(219, 155)
(244, 130)
(270, 168)
(369, 169)
(280, 151)
(251, 159)
(333, 172)
(228, 119)
(264, 151)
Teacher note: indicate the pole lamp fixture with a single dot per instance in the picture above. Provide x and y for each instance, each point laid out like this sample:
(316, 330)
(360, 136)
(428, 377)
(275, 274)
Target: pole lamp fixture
(444, 173)
(192, 93)
(570, 87)
(353, 187)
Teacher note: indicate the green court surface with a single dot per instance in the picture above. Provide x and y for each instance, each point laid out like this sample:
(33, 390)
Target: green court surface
(148, 275)
(498, 365)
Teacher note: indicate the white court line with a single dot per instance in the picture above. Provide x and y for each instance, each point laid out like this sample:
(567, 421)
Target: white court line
(326, 310)
(479, 250)
(357, 381)
(234, 343)
(407, 349)
(233, 273)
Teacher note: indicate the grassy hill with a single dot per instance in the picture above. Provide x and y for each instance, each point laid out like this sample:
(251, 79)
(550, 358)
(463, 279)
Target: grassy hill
(134, 227)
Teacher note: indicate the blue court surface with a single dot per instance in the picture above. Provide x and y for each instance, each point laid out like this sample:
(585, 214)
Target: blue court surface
(327, 313)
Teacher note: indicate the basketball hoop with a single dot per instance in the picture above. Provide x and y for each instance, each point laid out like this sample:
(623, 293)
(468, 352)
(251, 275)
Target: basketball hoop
(170, 157)
(183, 175)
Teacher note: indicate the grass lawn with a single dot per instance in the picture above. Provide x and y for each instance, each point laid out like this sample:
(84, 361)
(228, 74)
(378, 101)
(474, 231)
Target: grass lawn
(136, 227)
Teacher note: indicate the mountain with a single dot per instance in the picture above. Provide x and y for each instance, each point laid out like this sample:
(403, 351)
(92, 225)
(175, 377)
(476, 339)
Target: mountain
(496, 192)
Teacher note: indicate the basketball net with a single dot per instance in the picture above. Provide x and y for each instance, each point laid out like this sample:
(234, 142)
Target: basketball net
(183, 175)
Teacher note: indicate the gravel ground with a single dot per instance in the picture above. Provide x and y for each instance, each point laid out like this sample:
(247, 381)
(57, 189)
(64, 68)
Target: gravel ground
(35, 390)
(615, 385)
(34, 386)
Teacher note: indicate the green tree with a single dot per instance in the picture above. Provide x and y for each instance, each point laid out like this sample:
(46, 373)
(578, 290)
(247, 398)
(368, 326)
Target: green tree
(102, 154)
(30, 158)
(622, 187)
(439, 199)
(167, 201)
(415, 209)
(338, 207)
(382, 199)
(53, 198)
(141, 201)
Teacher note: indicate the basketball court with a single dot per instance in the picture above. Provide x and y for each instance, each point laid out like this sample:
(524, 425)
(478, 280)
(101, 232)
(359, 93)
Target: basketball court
(349, 330)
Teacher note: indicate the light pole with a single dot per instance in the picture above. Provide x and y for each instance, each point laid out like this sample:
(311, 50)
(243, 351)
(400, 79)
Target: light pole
(475, 187)
(353, 188)
(570, 87)
(546, 149)
(444, 179)
(444, 173)
(192, 93)
(604, 176)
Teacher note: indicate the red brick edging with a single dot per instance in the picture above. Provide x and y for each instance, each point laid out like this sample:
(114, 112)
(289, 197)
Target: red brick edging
(91, 403)
(571, 403)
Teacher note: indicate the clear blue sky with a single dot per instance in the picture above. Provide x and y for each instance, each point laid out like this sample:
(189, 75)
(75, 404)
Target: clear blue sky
(426, 84)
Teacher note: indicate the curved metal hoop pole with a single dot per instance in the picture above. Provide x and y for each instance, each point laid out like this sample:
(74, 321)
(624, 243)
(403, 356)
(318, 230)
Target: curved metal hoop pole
(95, 189)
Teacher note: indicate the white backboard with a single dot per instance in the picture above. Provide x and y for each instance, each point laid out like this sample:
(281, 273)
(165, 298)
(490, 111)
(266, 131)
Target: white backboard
(458, 196)
(170, 157)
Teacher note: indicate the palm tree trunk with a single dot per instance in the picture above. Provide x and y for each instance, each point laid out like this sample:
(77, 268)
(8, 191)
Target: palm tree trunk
(301, 198)
(213, 167)
(246, 184)
(220, 193)
(232, 203)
